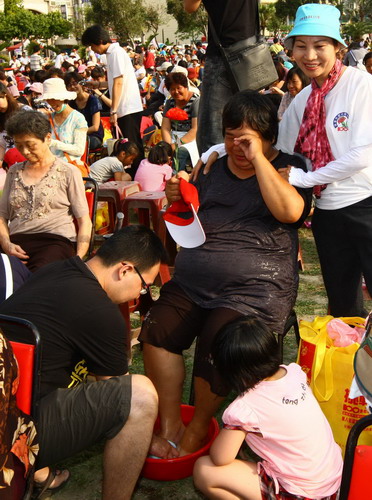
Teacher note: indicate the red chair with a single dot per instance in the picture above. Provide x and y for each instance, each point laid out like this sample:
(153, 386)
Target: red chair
(28, 356)
(149, 204)
(91, 193)
(356, 483)
(114, 193)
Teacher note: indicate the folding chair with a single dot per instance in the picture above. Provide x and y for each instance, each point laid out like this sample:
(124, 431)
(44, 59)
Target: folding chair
(356, 483)
(91, 193)
(28, 355)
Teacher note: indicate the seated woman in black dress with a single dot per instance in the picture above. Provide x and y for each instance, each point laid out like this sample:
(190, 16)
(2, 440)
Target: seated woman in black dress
(89, 105)
(247, 266)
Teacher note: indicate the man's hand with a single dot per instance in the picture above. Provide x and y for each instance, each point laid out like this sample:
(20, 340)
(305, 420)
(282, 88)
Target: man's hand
(114, 119)
(195, 171)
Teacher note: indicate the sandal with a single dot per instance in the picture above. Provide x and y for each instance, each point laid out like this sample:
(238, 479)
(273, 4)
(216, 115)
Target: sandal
(40, 489)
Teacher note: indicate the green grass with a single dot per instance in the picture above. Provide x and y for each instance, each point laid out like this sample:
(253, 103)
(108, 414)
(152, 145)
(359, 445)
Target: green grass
(86, 467)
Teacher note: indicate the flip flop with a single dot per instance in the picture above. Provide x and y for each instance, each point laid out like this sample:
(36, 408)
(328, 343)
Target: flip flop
(42, 488)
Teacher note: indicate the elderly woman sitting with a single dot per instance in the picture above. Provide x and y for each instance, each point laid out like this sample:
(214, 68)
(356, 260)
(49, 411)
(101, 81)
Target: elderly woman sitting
(181, 131)
(41, 198)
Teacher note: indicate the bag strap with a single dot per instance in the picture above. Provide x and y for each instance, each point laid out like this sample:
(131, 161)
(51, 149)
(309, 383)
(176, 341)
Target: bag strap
(57, 137)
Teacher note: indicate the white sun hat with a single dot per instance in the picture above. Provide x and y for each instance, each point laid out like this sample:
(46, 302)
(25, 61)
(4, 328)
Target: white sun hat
(55, 88)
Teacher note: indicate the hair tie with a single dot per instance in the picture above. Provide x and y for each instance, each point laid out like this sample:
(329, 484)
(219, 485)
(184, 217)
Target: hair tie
(123, 141)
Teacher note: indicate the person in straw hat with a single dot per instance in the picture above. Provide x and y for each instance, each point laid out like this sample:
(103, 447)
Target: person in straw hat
(69, 127)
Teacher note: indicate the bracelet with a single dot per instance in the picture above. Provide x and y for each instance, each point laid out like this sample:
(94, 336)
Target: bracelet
(113, 113)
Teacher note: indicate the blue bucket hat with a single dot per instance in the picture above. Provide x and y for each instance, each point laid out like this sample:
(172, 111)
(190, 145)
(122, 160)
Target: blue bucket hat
(314, 19)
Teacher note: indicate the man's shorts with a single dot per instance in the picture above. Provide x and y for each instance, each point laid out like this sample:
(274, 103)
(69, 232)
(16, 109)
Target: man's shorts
(175, 320)
(71, 420)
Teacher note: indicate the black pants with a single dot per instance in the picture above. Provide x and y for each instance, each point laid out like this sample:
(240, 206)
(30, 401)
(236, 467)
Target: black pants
(130, 127)
(344, 242)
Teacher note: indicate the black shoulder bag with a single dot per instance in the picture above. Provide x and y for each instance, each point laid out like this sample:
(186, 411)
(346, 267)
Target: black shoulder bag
(248, 62)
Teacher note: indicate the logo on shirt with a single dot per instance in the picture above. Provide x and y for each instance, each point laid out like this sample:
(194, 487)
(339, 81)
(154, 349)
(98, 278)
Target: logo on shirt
(340, 122)
(79, 374)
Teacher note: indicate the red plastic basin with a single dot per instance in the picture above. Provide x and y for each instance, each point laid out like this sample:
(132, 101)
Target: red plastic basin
(160, 469)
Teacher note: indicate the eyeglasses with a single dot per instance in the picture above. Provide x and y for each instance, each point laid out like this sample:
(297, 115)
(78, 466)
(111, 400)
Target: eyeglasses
(145, 287)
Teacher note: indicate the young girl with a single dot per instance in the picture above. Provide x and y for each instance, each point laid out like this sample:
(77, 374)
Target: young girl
(123, 155)
(153, 172)
(277, 415)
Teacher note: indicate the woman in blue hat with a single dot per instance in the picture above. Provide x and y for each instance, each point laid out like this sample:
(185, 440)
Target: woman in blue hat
(330, 123)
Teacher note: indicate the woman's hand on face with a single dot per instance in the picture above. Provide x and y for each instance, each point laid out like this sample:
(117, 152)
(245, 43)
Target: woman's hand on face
(172, 188)
(250, 144)
(17, 251)
(195, 171)
(284, 172)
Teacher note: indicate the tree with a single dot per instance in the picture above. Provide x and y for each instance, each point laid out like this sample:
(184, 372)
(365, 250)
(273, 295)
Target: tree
(266, 12)
(22, 23)
(126, 18)
(287, 10)
(356, 30)
(189, 25)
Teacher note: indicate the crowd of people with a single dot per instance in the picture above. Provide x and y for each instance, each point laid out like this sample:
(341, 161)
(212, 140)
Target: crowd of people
(267, 157)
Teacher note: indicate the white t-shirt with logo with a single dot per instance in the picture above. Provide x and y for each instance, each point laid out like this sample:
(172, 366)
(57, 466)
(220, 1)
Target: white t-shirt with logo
(349, 131)
(119, 64)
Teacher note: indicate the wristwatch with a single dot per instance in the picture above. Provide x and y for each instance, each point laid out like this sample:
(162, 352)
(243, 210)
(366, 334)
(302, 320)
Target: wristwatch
(113, 113)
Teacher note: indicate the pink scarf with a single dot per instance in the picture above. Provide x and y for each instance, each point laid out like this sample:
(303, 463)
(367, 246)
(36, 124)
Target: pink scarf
(312, 141)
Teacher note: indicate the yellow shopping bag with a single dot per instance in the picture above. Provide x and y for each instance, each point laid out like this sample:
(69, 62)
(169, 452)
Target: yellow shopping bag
(330, 371)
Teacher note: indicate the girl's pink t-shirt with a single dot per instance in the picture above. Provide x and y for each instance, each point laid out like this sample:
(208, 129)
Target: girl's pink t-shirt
(288, 430)
(152, 177)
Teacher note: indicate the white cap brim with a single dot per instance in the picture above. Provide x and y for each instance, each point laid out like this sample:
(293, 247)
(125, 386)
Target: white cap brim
(187, 236)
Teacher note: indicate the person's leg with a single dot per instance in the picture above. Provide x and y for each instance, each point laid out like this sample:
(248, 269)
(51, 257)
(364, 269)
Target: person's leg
(216, 91)
(168, 329)
(339, 260)
(361, 233)
(167, 372)
(210, 387)
(125, 454)
(184, 159)
(94, 142)
(130, 126)
(236, 481)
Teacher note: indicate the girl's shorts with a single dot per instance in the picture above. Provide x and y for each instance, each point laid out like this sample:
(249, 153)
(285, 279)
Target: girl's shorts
(268, 490)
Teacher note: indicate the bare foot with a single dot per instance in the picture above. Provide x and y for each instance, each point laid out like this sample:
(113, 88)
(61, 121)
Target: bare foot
(191, 441)
(161, 448)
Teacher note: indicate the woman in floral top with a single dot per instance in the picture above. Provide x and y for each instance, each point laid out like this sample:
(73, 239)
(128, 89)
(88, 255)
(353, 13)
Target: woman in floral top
(41, 198)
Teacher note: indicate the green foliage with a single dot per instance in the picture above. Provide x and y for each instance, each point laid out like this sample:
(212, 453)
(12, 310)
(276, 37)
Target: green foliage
(32, 46)
(285, 9)
(127, 18)
(356, 30)
(22, 23)
(189, 25)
